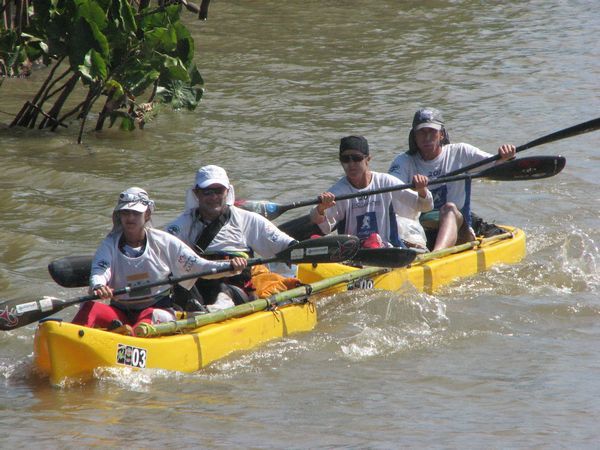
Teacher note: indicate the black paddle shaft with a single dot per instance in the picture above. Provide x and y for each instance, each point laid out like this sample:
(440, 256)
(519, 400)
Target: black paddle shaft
(74, 271)
(514, 170)
(575, 130)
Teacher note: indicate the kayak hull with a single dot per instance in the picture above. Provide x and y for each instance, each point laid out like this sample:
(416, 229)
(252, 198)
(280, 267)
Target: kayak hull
(63, 350)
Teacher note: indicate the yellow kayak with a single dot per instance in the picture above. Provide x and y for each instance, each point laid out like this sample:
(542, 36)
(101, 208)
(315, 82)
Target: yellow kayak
(432, 270)
(64, 351)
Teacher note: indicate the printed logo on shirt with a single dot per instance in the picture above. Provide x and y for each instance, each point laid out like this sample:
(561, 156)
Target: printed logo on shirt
(139, 279)
(363, 202)
(394, 168)
(440, 195)
(187, 262)
(174, 229)
(271, 233)
(366, 224)
(360, 202)
(103, 264)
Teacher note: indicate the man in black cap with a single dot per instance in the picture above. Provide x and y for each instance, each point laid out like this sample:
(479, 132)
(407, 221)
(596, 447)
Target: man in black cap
(373, 218)
(430, 153)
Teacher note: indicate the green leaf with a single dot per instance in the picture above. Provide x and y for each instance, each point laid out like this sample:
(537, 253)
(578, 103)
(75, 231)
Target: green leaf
(86, 36)
(91, 11)
(117, 87)
(128, 16)
(180, 95)
(175, 68)
(123, 15)
(127, 124)
(93, 67)
(138, 80)
(98, 65)
(185, 43)
(161, 39)
(195, 77)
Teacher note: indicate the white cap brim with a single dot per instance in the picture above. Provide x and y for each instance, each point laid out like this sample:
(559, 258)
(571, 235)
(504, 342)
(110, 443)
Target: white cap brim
(207, 183)
(135, 206)
(435, 126)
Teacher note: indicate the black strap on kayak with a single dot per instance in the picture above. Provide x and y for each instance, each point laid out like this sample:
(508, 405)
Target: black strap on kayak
(212, 229)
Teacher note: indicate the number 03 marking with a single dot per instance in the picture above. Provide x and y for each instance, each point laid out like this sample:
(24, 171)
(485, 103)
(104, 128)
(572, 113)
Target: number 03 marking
(138, 358)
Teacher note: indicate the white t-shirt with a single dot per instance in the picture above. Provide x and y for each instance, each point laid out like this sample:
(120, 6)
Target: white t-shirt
(164, 255)
(244, 231)
(452, 157)
(362, 216)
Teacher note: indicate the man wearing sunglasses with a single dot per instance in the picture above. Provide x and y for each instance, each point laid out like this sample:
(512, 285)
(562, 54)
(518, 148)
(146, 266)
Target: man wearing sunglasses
(373, 218)
(431, 153)
(215, 228)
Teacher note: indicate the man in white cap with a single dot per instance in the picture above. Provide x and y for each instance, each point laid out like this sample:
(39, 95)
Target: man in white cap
(431, 154)
(212, 225)
(134, 253)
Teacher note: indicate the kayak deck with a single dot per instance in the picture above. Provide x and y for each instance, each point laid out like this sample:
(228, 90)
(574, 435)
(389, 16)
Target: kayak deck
(428, 272)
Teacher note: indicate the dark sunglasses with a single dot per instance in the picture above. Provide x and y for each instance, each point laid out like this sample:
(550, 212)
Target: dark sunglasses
(353, 158)
(210, 191)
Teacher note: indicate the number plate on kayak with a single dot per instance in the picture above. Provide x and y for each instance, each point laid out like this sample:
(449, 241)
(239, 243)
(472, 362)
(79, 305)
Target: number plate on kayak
(361, 283)
(131, 356)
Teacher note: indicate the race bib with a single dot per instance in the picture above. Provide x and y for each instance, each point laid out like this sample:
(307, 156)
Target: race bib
(440, 195)
(366, 224)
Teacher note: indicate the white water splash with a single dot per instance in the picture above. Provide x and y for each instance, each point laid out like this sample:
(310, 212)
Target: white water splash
(386, 323)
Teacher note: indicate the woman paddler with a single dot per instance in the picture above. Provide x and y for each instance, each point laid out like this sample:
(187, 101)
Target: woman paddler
(133, 254)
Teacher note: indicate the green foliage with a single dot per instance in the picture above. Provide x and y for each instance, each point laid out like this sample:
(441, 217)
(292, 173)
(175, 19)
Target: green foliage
(116, 51)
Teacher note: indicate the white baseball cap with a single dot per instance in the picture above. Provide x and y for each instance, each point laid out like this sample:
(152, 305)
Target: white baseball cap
(134, 199)
(208, 175)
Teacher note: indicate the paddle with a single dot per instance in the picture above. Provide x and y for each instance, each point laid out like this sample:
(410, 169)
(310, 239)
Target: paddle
(584, 127)
(74, 271)
(17, 313)
(515, 170)
(272, 210)
(302, 228)
(385, 257)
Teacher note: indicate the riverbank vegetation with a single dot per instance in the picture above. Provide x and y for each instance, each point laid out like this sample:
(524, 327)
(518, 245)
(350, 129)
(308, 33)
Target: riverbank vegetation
(115, 59)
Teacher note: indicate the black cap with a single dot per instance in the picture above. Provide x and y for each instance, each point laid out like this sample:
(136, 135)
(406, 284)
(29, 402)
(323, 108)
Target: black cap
(354, 143)
(428, 118)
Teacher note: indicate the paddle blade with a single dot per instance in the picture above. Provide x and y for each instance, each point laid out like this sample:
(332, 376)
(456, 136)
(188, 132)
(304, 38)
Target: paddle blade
(17, 313)
(531, 168)
(385, 257)
(71, 271)
(324, 249)
(267, 209)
